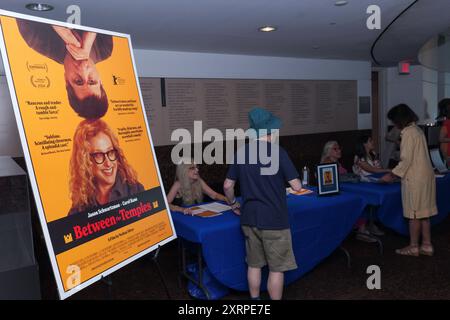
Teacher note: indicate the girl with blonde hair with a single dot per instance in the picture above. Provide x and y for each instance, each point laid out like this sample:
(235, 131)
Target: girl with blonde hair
(189, 188)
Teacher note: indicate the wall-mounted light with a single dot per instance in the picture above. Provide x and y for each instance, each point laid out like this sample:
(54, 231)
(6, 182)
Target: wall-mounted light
(39, 7)
(340, 3)
(267, 29)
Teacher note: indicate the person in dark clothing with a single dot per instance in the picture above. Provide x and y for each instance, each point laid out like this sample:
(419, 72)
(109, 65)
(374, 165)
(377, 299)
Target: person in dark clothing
(78, 51)
(264, 213)
(444, 133)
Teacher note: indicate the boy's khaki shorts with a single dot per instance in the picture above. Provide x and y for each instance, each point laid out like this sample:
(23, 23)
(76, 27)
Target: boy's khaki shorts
(269, 247)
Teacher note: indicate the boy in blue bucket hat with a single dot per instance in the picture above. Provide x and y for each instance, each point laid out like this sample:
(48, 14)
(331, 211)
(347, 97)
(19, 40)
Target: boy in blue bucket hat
(264, 214)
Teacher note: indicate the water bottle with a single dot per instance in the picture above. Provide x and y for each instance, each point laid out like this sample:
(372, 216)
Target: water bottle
(305, 180)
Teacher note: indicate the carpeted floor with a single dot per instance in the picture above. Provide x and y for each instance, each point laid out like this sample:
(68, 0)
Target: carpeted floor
(401, 277)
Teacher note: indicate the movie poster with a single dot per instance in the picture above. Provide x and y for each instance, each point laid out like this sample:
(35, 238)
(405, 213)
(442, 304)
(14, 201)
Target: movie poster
(87, 145)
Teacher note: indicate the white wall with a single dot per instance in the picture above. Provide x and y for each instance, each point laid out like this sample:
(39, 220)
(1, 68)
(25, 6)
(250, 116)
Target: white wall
(404, 89)
(154, 63)
(444, 86)
(419, 90)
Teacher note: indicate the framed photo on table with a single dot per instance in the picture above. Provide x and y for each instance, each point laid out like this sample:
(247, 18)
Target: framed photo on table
(327, 178)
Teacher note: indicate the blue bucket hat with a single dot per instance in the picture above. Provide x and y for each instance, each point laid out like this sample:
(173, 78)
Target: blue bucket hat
(260, 118)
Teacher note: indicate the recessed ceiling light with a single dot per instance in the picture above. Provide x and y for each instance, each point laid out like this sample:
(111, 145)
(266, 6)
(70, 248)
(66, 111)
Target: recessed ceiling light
(340, 3)
(39, 7)
(267, 29)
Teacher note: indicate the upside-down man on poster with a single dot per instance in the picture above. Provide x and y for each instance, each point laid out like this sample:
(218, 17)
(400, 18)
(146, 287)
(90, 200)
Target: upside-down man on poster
(78, 51)
(264, 217)
(99, 171)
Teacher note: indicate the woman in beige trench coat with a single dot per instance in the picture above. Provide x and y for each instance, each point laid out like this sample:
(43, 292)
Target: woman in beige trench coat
(418, 181)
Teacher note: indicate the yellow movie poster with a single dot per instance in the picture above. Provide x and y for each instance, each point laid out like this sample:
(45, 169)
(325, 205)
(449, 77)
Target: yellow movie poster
(87, 146)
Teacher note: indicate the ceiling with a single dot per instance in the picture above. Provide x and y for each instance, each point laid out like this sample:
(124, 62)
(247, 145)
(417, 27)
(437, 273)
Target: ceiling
(306, 28)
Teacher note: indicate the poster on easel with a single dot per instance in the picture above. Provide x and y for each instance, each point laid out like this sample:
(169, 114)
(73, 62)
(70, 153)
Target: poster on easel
(87, 146)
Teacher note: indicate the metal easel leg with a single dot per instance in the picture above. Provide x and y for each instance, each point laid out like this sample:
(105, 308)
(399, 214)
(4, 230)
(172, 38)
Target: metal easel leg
(108, 281)
(163, 280)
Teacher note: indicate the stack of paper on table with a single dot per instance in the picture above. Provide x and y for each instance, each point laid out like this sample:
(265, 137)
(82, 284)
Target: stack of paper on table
(209, 209)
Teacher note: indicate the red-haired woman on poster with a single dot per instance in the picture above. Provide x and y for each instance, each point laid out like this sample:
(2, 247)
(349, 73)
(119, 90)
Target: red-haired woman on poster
(99, 171)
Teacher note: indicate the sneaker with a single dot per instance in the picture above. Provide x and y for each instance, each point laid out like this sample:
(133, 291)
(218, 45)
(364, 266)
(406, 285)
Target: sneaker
(373, 229)
(365, 236)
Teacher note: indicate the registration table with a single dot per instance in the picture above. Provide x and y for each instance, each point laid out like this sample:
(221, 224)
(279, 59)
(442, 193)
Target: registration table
(318, 226)
(386, 200)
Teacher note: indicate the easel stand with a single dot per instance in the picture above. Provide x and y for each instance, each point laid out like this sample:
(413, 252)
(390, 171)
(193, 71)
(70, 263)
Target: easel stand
(154, 257)
(109, 283)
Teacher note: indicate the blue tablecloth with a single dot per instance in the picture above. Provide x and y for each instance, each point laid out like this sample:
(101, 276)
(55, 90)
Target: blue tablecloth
(388, 200)
(318, 226)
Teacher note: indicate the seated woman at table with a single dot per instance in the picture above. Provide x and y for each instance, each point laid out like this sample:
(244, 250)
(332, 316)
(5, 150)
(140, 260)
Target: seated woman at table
(189, 188)
(418, 181)
(332, 153)
(366, 160)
